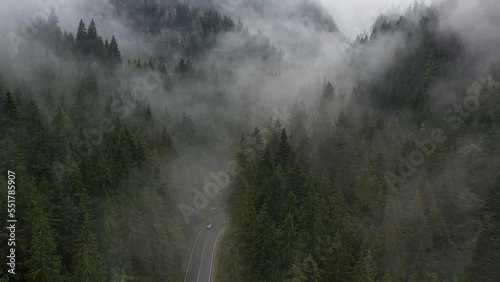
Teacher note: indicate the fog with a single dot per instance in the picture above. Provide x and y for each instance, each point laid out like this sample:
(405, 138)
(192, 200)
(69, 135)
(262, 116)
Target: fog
(357, 16)
(308, 55)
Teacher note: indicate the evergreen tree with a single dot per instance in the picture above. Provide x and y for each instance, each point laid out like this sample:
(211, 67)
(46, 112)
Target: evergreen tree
(328, 92)
(81, 38)
(311, 270)
(12, 113)
(392, 236)
(486, 254)
(422, 265)
(338, 265)
(44, 265)
(284, 152)
(52, 32)
(92, 31)
(114, 52)
(88, 265)
(60, 131)
(365, 270)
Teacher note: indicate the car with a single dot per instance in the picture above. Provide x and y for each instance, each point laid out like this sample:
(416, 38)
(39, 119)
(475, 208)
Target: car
(209, 225)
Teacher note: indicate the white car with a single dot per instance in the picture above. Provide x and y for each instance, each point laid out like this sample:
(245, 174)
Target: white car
(209, 225)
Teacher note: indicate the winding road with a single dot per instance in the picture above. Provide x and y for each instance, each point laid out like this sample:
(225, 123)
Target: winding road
(202, 255)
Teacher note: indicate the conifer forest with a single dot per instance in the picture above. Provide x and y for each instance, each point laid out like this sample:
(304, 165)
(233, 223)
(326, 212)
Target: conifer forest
(250, 140)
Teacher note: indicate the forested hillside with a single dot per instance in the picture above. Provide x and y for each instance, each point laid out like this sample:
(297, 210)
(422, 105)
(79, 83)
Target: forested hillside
(100, 165)
(94, 192)
(371, 160)
(396, 187)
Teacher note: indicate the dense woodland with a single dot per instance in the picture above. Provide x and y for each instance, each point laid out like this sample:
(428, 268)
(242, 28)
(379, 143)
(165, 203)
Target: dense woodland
(96, 199)
(335, 193)
(182, 27)
(346, 199)
(94, 193)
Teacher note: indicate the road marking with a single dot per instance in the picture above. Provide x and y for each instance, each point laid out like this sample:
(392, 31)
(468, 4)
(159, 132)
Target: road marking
(192, 250)
(213, 254)
(201, 260)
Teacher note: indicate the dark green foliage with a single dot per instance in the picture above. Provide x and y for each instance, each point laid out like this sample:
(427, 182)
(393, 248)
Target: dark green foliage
(340, 218)
(81, 37)
(366, 270)
(486, 253)
(88, 265)
(97, 202)
(89, 45)
(198, 28)
(309, 201)
(11, 116)
(44, 264)
(114, 52)
(328, 92)
(58, 240)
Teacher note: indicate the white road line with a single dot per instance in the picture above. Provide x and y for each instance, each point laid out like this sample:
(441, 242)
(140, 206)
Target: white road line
(213, 254)
(192, 250)
(201, 260)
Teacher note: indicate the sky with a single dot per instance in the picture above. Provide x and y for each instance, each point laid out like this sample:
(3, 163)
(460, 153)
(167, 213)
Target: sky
(357, 16)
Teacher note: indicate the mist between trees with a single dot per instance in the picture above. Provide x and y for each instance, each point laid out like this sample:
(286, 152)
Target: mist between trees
(215, 184)
(118, 118)
(479, 92)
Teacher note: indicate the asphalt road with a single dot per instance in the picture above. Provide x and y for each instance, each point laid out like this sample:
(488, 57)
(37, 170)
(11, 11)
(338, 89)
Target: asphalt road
(202, 254)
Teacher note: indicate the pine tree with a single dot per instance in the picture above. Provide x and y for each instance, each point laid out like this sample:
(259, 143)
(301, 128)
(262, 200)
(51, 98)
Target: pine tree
(297, 181)
(88, 264)
(486, 253)
(303, 150)
(290, 239)
(295, 274)
(11, 156)
(37, 144)
(53, 31)
(181, 68)
(60, 131)
(338, 264)
(12, 113)
(392, 241)
(114, 53)
(312, 214)
(339, 209)
(263, 256)
(92, 31)
(328, 92)
(86, 101)
(418, 225)
(44, 265)
(94, 42)
(299, 117)
(422, 265)
(310, 269)
(81, 38)
(284, 152)
(365, 270)
(150, 65)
